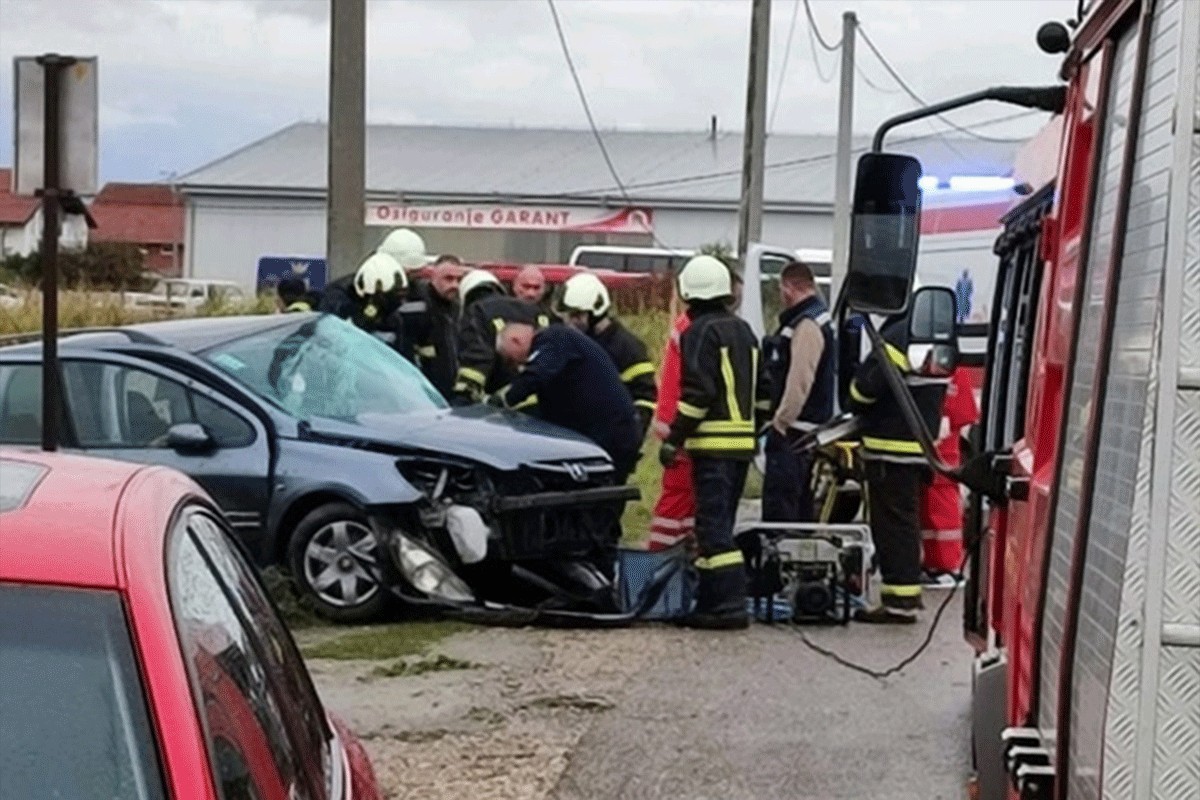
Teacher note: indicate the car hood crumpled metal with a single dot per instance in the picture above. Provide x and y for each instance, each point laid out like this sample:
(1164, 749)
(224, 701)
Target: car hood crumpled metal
(499, 439)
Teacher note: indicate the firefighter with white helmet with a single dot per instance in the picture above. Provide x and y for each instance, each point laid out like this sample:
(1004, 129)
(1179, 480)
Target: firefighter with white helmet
(723, 400)
(406, 246)
(371, 298)
(585, 305)
(485, 308)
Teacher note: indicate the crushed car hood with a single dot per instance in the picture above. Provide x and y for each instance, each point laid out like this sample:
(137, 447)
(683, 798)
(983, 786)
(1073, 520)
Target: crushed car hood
(503, 440)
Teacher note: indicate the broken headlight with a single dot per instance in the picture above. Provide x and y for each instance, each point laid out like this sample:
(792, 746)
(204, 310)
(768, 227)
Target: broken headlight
(425, 570)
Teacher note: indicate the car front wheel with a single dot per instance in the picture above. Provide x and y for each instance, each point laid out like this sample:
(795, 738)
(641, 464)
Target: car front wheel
(333, 554)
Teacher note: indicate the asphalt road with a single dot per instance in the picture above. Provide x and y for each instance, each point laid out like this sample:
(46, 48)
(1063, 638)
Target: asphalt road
(758, 715)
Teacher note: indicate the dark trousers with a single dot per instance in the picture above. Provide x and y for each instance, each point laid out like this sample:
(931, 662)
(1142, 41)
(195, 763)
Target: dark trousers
(719, 483)
(894, 493)
(787, 493)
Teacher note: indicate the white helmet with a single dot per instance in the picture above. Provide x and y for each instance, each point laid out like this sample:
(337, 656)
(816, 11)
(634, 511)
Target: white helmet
(379, 273)
(406, 246)
(585, 292)
(476, 278)
(704, 278)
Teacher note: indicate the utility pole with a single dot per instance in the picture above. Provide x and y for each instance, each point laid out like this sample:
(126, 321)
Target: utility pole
(346, 192)
(842, 178)
(754, 141)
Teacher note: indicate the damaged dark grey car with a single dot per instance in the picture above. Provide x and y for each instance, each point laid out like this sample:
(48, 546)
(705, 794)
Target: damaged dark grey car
(334, 456)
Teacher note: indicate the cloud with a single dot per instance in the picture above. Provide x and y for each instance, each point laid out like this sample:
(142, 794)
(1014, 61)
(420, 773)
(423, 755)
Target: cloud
(184, 81)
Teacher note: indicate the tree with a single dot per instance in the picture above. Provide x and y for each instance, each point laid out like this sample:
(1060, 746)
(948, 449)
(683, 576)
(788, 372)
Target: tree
(103, 265)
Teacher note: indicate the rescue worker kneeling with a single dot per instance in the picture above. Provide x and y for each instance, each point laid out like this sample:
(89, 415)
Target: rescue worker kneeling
(723, 400)
(896, 472)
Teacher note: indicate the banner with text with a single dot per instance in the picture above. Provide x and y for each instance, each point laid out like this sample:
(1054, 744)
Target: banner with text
(514, 218)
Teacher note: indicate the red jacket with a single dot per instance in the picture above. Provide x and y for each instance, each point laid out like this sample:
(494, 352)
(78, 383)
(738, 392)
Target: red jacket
(671, 376)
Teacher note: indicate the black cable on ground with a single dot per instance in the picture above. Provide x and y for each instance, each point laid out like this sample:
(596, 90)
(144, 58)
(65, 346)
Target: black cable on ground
(899, 666)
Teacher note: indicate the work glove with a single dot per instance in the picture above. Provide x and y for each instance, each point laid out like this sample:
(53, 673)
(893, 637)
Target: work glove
(667, 454)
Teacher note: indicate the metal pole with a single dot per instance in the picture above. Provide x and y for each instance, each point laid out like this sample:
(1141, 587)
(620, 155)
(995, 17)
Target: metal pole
(51, 63)
(754, 143)
(347, 135)
(842, 175)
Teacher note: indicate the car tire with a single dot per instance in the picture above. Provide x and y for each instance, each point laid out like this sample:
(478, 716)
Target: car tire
(326, 554)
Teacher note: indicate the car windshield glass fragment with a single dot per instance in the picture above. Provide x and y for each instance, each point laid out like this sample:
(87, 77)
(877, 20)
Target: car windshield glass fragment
(326, 368)
(74, 719)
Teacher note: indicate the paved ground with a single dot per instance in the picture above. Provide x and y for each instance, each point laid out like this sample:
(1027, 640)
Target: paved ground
(657, 712)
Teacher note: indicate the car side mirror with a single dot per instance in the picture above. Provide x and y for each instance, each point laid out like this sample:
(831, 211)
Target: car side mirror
(884, 230)
(189, 437)
(933, 331)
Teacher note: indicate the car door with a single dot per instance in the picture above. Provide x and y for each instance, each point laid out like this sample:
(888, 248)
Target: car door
(126, 408)
(265, 729)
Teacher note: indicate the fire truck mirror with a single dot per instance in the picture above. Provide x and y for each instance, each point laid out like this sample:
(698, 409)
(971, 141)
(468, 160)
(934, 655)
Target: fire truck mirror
(932, 320)
(885, 225)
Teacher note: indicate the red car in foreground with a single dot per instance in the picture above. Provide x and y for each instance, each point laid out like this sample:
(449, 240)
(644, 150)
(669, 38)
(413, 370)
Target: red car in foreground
(140, 656)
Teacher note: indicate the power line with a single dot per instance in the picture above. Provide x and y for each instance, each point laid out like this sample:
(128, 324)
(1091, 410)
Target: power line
(587, 110)
(812, 46)
(787, 54)
(812, 24)
(795, 162)
(867, 80)
(920, 100)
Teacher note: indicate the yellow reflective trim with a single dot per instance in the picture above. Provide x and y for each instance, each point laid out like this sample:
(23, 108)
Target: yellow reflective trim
(730, 558)
(429, 351)
(650, 404)
(900, 591)
(689, 410)
(735, 412)
(299, 305)
(724, 426)
(858, 396)
(637, 370)
(527, 402)
(498, 324)
(763, 405)
(896, 356)
(543, 321)
(472, 375)
(721, 443)
(892, 445)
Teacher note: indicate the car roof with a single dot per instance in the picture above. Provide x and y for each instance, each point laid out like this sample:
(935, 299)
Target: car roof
(191, 334)
(62, 532)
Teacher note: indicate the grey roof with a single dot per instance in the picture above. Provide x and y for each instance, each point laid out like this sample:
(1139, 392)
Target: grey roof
(657, 167)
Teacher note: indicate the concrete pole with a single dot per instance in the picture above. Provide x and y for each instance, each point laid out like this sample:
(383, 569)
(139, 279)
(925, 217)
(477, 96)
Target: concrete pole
(754, 141)
(843, 179)
(346, 197)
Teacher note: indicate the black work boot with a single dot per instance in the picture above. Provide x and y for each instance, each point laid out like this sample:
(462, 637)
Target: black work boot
(720, 600)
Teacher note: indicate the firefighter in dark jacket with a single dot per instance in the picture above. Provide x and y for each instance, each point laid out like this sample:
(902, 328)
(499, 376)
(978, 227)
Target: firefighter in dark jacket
(896, 470)
(292, 296)
(485, 309)
(431, 323)
(577, 386)
(723, 400)
(585, 305)
(371, 299)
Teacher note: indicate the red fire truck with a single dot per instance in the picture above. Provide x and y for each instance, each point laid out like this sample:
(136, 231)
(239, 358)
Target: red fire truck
(1084, 603)
(1084, 522)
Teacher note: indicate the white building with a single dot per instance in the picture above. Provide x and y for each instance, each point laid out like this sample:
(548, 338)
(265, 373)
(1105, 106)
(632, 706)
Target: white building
(527, 195)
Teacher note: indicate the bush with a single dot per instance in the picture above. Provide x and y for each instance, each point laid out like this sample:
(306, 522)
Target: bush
(103, 265)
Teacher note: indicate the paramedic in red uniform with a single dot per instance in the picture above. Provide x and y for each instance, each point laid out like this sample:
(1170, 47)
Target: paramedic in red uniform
(675, 512)
(941, 502)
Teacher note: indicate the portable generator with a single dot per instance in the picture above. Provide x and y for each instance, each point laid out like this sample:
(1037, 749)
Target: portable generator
(810, 573)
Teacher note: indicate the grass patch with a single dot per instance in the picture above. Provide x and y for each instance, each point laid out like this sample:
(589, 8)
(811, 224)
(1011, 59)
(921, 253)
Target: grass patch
(297, 611)
(382, 642)
(405, 669)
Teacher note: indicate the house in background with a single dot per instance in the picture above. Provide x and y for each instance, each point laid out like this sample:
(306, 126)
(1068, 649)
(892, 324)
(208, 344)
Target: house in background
(19, 216)
(145, 214)
(149, 215)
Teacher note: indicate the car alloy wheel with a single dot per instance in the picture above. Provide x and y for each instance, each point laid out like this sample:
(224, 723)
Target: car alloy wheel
(336, 562)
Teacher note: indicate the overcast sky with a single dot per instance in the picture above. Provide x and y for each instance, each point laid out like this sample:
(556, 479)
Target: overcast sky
(185, 81)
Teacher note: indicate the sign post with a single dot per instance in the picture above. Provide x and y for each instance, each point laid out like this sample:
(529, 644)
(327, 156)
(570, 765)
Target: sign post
(79, 101)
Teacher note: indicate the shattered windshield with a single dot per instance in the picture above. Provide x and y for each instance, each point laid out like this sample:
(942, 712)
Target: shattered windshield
(326, 368)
